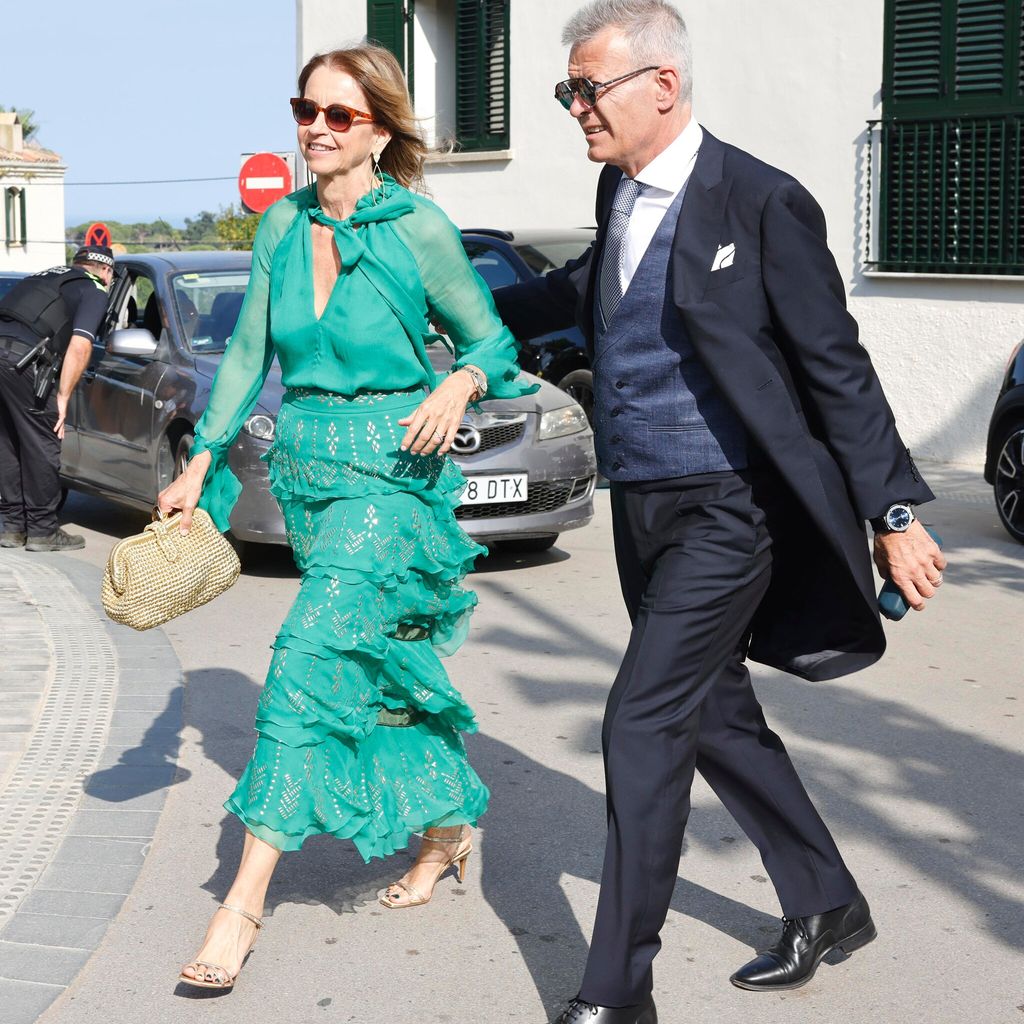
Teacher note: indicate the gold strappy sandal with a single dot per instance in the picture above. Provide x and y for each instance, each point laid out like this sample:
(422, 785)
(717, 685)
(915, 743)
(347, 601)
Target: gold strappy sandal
(209, 975)
(415, 898)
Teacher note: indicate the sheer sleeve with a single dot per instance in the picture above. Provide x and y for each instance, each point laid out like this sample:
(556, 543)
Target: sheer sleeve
(459, 300)
(242, 372)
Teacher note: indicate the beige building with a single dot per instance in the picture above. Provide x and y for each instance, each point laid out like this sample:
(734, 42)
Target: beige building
(32, 182)
(905, 119)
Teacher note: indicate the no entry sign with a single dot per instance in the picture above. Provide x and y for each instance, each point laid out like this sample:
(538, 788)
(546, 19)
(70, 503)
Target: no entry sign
(263, 179)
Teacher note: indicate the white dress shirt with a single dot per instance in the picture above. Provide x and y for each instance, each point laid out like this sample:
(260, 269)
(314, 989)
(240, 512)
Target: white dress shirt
(664, 177)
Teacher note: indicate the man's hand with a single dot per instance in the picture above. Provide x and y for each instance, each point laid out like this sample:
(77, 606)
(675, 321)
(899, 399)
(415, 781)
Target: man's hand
(184, 492)
(76, 359)
(913, 561)
(62, 414)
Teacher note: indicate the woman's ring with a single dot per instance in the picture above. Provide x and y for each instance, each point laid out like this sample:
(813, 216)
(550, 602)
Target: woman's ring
(438, 438)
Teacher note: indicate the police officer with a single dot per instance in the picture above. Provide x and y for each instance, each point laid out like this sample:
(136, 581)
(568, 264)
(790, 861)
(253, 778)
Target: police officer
(64, 307)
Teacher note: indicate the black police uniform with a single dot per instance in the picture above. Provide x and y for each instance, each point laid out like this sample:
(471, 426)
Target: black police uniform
(73, 302)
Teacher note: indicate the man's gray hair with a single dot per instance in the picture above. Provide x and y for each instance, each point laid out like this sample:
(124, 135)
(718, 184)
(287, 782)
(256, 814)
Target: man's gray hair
(655, 33)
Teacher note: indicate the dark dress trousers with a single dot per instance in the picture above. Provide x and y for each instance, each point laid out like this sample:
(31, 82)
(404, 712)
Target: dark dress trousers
(768, 562)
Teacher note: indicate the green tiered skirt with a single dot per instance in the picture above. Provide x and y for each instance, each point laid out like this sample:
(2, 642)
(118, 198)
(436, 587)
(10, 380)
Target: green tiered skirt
(382, 558)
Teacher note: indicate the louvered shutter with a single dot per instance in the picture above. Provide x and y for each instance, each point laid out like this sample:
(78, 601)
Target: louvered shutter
(914, 51)
(980, 48)
(385, 24)
(482, 76)
(953, 106)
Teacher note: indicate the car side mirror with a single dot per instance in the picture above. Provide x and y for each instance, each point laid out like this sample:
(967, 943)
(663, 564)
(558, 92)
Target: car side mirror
(132, 341)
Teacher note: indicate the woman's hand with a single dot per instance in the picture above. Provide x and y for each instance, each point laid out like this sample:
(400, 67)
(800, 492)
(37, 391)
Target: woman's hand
(183, 493)
(433, 425)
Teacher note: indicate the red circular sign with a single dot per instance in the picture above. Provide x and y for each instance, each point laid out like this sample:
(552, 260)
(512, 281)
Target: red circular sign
(98, 234)
(263, 179)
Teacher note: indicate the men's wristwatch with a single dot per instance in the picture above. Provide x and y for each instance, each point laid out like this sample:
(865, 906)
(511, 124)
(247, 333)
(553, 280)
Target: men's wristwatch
(896, 519)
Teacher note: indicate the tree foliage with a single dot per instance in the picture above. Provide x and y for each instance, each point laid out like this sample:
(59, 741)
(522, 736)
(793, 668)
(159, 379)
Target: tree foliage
(227, 229)
(237, 227)
(29, 125)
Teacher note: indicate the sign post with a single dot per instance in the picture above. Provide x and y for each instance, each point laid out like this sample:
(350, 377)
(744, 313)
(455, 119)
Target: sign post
(263, 179)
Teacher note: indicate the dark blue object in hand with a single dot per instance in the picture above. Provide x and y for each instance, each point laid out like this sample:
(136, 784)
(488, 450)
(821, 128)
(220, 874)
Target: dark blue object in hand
(891, 603)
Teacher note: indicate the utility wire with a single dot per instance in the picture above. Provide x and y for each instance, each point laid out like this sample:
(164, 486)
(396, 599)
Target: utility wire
(151, 181)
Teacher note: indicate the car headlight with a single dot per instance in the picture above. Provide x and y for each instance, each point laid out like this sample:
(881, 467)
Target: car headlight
(559, 422)
(261, 426)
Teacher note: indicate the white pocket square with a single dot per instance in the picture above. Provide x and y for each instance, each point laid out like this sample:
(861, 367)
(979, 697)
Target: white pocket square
(725, 257)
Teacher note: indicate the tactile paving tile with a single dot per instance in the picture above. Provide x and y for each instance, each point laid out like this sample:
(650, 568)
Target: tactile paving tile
(45, 787)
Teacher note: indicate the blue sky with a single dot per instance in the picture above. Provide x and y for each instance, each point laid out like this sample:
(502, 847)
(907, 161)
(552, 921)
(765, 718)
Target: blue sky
(132, 91)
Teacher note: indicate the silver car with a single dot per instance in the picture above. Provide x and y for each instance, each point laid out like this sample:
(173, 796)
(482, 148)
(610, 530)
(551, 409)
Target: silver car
(529, 462)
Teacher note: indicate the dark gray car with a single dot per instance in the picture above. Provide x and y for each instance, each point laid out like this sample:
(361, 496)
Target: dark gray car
(529, 461)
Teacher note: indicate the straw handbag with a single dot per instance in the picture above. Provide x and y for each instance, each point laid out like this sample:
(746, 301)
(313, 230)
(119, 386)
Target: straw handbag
(159, 574)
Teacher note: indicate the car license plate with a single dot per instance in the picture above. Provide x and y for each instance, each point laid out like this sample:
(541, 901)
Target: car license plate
(488, 490)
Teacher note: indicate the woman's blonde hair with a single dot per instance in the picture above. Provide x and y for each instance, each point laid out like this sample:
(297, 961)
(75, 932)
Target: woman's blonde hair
(380, 77)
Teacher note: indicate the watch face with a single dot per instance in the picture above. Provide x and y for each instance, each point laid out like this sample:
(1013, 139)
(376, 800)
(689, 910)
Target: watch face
(898, 518)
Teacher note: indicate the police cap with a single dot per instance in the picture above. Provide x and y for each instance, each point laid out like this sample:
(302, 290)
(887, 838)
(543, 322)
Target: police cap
(101, 254)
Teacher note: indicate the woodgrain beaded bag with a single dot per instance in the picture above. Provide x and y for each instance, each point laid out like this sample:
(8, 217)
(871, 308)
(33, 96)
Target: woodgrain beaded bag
(159, 574)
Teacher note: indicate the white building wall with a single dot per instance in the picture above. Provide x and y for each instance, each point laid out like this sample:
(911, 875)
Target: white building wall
(794, 83)
(44, 215)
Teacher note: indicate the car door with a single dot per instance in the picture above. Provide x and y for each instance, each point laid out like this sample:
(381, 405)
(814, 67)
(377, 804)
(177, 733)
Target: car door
(115, 411)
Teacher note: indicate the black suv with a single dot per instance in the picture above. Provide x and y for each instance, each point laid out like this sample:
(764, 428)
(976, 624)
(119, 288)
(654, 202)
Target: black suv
(1004, 455)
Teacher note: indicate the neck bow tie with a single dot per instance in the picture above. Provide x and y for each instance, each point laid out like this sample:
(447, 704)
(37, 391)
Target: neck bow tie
(385, 203)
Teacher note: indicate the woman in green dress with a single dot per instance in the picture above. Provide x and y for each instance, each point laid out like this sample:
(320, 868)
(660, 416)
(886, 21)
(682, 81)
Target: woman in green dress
(358, 727)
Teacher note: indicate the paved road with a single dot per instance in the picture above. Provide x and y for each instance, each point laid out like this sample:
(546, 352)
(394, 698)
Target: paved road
(917, 764)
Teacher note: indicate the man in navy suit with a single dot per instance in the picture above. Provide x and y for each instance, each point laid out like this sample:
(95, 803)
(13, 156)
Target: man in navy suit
(747, 441)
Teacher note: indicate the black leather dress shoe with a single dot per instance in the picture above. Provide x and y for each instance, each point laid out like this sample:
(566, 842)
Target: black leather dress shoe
(580, 1012)
(805, 942)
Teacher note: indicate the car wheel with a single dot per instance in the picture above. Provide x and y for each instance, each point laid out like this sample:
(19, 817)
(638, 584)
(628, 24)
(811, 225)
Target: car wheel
(1009, 482)
(182, 454)
(529, 545)
(579, 384)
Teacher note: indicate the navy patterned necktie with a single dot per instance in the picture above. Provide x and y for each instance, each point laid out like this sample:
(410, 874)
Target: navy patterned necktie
(615, 245)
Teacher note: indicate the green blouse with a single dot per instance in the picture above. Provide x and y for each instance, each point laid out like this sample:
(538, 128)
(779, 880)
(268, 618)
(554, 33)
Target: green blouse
(402, 267)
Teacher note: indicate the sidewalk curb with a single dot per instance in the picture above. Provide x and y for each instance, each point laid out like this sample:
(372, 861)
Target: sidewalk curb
(79, 809)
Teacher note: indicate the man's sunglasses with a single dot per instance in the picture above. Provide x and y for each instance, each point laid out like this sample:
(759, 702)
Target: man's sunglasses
(587, 90)
(337, 116)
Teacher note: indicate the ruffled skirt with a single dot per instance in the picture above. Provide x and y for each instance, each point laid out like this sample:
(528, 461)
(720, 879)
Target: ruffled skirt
(382, 558)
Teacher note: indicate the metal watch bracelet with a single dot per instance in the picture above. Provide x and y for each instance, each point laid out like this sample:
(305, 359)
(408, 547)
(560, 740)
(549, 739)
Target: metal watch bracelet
(479, 379)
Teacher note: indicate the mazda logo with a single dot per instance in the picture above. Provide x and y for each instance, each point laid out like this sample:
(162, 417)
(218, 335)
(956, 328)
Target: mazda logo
(467, 440)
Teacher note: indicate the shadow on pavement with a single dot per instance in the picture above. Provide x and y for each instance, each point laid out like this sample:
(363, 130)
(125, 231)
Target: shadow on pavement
(147, 767)
(544, 825)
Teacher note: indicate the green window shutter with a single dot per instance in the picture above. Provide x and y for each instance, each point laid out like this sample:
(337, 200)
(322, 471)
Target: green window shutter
(390, 23)
(385, 24)
(951, 193)
(1017, 32)
(980, 48)
(482, 74)
(913, 44)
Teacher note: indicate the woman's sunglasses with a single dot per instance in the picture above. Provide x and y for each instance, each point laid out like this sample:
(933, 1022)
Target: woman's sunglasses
(588, 90)
(337, 116)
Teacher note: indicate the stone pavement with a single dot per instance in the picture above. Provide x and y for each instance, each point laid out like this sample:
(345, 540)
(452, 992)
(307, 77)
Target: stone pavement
(916, 765)
(88, 741)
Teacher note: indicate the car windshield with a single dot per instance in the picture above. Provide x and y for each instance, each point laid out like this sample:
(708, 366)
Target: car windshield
(208, 303)
(543, 257)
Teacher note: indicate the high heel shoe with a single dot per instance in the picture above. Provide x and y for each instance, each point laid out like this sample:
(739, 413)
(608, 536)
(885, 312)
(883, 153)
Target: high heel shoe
(209, 975)
(463, 848)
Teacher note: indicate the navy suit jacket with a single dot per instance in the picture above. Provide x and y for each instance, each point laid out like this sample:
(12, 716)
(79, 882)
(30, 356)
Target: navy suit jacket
(774, 333)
